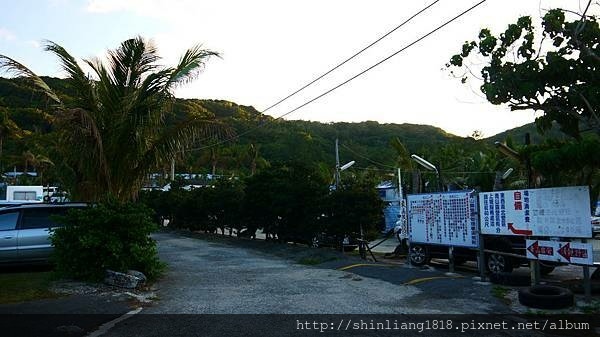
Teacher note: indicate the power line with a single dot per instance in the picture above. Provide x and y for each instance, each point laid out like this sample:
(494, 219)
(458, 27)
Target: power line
(351, 57)
(367, 158)
(346, 81)
(335, 67)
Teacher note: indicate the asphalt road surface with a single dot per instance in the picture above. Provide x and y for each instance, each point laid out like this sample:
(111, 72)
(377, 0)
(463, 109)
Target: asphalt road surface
(207, 277)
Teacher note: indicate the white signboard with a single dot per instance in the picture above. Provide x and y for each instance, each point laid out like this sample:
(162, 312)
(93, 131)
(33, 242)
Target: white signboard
(553, 212)
(567, 252)
(443, 218)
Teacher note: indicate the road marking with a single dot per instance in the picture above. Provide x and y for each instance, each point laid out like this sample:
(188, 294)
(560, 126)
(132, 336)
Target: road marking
(109, 325)
(426, 279)
(365, 265)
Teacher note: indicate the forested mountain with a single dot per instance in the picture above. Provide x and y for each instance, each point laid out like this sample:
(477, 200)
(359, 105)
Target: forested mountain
(275, 140)
(377, 148)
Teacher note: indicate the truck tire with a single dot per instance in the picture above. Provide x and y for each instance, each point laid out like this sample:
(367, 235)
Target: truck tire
(498, 263)
(546, 297)
(418, 255)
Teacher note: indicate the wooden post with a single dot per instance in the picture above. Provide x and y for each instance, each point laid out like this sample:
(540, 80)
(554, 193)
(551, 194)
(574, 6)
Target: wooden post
(481, 258)
(587, 284)
(587, 281)
(534, 267)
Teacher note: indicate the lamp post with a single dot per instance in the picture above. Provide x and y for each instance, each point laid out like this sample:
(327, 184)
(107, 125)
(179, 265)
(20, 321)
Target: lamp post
(339, 168)
(430, 167)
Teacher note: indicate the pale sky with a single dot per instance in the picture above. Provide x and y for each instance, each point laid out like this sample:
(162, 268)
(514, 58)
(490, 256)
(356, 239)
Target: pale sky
(271, 48)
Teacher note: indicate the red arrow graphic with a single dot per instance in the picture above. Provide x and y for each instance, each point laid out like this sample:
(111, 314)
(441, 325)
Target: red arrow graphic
(534, 248)
(565, 251)
(519, 231)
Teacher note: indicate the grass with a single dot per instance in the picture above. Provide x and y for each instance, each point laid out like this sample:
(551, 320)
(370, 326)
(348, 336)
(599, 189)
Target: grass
(25, 286)
(591, 308)
(500, 293)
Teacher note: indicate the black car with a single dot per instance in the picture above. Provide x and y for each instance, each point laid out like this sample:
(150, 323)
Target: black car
(420, 254)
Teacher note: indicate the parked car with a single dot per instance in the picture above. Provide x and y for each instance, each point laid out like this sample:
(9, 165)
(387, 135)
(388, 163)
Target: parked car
(25, 231)
(420, 254)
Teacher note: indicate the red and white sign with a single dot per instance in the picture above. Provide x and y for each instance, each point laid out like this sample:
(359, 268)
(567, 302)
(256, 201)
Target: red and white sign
(557, 251)
(551, 212)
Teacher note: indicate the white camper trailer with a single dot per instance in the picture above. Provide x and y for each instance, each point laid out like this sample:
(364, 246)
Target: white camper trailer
(23, 194)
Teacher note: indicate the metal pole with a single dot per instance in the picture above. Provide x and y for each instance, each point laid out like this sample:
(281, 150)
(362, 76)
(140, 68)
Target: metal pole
(400, 196)
(337, 164)
(173, 169)
(451, 259)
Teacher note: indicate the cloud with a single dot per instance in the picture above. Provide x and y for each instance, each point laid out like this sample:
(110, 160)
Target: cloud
(33, 43)
(6, 34)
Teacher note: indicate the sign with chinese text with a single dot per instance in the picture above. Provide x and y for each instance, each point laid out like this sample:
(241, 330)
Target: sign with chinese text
(444, 218)
(567, 252)
(552, 212)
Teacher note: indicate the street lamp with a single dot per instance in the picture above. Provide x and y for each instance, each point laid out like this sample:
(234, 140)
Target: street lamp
(507, 173)
(347, 165)
(428, 166)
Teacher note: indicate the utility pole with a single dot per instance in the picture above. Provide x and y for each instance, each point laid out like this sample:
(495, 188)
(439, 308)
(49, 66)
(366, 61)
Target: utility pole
(172, 169)
(337, 164)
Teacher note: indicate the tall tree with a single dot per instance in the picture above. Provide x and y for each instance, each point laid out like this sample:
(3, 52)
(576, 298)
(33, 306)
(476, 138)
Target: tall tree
(121, 126)
(554, 70)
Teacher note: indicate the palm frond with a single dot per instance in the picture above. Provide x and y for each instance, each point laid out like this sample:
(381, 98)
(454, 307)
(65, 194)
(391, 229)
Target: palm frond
(132, 60)
(82, 130)
(80, 81)
(189, 65)
(17, 69)
(176, 138)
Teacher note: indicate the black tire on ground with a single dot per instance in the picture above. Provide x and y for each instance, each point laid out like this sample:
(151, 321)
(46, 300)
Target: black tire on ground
(418, 255)
(546, 297)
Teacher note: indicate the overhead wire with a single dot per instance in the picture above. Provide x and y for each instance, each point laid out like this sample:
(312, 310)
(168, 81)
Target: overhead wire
(346, 81)
(341, 63)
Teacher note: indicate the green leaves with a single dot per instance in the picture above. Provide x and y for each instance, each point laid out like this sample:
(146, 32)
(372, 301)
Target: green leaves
(545, 77)
(112, 236)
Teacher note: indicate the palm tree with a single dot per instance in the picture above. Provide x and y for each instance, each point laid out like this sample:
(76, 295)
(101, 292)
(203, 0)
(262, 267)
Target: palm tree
(121, 126)
(8, 128)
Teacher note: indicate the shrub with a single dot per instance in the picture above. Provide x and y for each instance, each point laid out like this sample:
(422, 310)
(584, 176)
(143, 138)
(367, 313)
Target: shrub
(106, 236)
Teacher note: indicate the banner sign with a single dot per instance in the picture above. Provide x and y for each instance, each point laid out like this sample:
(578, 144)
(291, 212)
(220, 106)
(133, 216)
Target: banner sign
(444, 218)
(552, 212)
(567, 252)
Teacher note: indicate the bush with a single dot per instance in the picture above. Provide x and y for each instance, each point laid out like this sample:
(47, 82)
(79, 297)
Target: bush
(352, 207)
(106, 236)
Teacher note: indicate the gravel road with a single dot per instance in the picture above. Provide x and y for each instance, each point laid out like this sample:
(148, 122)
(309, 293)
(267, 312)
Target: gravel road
(210, 277)
(207, 280)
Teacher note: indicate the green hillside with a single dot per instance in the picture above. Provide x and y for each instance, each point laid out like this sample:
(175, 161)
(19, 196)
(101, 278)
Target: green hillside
(277, 140)
(263, 141)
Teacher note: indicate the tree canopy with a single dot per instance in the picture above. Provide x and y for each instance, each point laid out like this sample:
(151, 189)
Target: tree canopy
(552, 69)
(119, 126)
